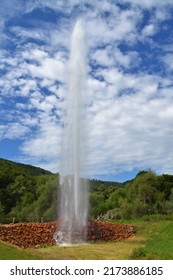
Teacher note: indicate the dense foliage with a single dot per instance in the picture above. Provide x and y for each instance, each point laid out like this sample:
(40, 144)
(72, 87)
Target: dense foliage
(29, 193)
(147, 194)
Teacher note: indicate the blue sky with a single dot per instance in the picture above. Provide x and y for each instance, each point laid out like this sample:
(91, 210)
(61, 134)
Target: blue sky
(129, 83)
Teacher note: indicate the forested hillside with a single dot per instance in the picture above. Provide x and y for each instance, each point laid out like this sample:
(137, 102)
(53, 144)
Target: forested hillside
(29, 193)
(14, 168)
(26, 192)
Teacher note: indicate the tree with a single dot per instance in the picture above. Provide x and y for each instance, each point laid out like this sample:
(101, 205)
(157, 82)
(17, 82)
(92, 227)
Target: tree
(114, 198)
(165, 183)
(169, 204)
(2, 216)
(46, 197)
(142, 196)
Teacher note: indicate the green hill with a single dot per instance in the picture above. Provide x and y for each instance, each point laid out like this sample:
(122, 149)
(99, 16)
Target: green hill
(26, 191)
(18, 168)
(95, 184)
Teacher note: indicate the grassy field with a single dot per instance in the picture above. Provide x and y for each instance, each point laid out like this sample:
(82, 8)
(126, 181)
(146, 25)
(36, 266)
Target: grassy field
(11, 252)
(159, 241)
(153, 240)
(90, 251)
(93, 251)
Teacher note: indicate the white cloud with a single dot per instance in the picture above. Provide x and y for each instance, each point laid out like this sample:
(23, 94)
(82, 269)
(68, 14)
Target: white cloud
(149, 30)
(14, 131)
(49, 68)
(121, 26)
(29, 121)
(168, 61)
(112, 56)
(149, 3)
(2, 129)
(34, 54)
(24, 34)
(45, 145)
(129, 133)
(102, 57)
(133, 130)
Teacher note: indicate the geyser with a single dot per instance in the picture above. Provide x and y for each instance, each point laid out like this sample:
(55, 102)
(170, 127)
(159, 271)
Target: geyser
(73, 197)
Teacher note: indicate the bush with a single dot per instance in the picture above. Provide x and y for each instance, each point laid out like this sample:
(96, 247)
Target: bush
(2, 216)
(126, 210)
(157, 218)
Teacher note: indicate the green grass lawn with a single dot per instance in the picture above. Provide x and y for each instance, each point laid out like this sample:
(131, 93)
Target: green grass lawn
(159, 241)
(90, 251)
(153, 240)
(93, 251)
(12, 252)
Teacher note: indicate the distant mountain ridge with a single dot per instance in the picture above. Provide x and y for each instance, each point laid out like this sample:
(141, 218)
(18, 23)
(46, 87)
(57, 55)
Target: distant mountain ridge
(8, 165)
(20, 168)
(94, 184)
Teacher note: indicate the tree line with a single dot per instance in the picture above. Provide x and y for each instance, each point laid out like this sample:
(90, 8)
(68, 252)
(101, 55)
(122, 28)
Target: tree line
(29, 193)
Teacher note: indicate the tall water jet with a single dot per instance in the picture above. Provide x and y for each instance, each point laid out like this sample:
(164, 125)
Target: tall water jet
(73, 197)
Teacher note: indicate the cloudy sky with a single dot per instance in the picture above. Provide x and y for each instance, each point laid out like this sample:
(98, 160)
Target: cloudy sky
(129, 83)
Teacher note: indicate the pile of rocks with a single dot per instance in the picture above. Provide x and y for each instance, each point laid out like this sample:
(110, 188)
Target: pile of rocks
(28, 234)
(39, 234)
(107, 231)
